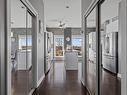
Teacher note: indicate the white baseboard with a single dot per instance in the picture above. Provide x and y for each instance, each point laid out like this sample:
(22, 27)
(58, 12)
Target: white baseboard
(41, 79)
(119, 75)
(71, 68)
(82, 82)
(31, 92)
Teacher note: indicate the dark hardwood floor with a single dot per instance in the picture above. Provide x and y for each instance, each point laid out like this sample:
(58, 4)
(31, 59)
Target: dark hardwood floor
(61, 82)
(21, 82)
(110, 83)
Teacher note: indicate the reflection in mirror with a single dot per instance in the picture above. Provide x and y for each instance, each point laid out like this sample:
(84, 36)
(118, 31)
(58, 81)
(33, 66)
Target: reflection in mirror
(109, 34)
(18, 48)
(91, 52)
(29, 51)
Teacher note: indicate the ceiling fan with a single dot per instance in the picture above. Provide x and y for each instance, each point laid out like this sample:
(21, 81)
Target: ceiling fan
(61, 25)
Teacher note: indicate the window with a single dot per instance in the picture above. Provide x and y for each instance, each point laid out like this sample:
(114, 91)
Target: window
(59, 42)
(23, 43)
(77, 44)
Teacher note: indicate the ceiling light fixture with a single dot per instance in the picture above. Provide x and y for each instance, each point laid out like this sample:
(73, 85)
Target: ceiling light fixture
(22, 7)
(61, 25)
(67, 7)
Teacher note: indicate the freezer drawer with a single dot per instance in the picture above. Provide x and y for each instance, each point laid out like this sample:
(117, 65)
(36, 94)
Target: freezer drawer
(110, 63)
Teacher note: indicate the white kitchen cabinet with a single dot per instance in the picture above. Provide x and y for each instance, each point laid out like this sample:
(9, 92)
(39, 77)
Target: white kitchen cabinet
(71, 60)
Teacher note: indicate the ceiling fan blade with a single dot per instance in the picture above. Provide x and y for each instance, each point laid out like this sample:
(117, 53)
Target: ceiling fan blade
(54, 20)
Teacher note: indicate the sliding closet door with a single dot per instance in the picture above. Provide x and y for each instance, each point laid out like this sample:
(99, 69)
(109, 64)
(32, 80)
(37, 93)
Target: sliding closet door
(29, 51)
(21, 48)
(109, 47)
(18, 48)
(91, 52)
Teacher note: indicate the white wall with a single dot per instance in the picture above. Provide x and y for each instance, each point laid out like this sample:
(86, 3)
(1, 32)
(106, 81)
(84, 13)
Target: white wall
(123, 28)
(85, 5)
(2, 48)
(39, 6)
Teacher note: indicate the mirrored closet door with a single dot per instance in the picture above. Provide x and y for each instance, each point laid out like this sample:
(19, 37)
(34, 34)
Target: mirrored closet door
(21, 48)
(110, 34)
(91, 75)
(29, 51)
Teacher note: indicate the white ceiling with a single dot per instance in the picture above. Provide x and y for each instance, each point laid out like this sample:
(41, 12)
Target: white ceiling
(55, 11)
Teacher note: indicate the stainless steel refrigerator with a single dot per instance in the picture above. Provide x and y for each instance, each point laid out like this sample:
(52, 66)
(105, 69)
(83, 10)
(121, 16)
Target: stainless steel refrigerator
(110, 52)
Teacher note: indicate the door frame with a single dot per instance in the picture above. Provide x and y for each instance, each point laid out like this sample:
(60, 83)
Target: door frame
(45, 52)
(8, 44)
(123, 27)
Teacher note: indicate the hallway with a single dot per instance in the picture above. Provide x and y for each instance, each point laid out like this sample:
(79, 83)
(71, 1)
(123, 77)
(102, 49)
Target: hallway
(61, 82)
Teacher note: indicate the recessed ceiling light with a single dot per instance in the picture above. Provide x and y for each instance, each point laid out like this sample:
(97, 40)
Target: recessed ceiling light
(22, 7)
(12, 22)
(67, 7)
